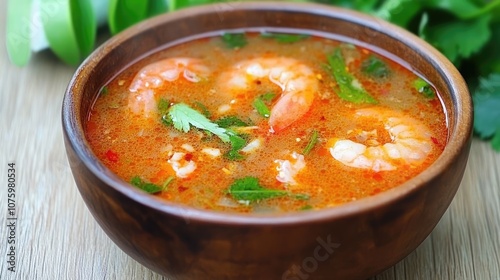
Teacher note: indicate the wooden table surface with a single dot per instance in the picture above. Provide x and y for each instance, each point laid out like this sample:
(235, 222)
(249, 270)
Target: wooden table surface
(57, 238)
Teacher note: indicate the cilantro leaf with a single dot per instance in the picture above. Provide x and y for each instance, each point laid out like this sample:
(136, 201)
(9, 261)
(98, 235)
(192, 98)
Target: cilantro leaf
(424, 88)
(349, 87)
(234, 40)
(183, 117)
(459, 39)
(399, 12)
(486, 107)
(249, 189)
(375, 67)
(284, 38)
(147, 187)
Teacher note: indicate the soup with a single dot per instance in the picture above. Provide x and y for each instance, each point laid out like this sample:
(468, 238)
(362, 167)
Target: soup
(267, 122)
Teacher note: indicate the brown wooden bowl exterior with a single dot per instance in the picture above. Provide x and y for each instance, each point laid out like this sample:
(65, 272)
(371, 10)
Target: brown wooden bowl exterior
(353, 241)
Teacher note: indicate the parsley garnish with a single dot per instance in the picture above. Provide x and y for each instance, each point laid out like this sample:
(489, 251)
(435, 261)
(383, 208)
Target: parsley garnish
(248, 189)
(150, 187)
(424, 88)
(234, 40)
(375, 67)
(349, 88)
(487, 113)
(284, 38)
(312, 142)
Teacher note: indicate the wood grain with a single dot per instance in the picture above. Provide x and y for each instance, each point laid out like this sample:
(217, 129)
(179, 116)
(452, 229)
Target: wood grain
(57, 238)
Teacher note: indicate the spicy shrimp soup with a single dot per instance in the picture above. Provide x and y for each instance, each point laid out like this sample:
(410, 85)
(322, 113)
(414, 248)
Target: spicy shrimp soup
(267, 122)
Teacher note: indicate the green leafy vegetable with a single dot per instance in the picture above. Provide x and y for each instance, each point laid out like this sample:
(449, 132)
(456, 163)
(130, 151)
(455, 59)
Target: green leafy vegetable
(104, 91)
(260, 104)
(306, 207)
(375, 67)
(450, 37)
(163, 106)
(284, 38)
(349, 88)
(249, 189)
(234, 40)
(183, 117)
(147, 187)
(487, 110)
(312, 142)
(230, 121)
(203, 109)
(424, 88)
(237, 143)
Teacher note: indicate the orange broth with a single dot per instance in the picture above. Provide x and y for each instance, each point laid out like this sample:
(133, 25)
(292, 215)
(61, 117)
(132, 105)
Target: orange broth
(132, 145)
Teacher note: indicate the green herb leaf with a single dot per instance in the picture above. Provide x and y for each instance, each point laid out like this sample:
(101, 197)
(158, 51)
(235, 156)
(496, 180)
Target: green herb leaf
(486, 107)
(203, 108)
(260, 104)
(306, 207)
(234, 40)
(104, 91)
(424, 88)
(237, 143)
(349, 87)
(231, 121)
(284, 38)
(312, 142)
(183, 117)
(399, 12)
(163, 106)
(147, 187)
(249, 189)
(375, 67)
(459, 39)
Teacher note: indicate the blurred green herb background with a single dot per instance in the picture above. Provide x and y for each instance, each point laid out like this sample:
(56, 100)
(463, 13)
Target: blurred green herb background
(465, 31)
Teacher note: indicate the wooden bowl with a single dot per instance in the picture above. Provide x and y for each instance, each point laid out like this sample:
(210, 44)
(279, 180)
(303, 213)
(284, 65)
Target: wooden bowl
(353, 241)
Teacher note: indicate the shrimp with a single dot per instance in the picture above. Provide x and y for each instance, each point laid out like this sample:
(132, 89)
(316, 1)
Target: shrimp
(142, 100)
(411, 143)
(296, 80)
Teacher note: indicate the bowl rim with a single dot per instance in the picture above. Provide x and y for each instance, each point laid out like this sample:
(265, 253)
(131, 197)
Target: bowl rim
(458, 138)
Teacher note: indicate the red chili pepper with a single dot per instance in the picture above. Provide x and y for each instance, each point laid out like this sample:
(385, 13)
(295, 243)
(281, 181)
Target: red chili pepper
(377, 177)
(188, 157)
(111, 156)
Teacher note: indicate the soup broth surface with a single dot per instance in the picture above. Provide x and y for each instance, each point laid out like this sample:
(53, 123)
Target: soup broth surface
(343, 123)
